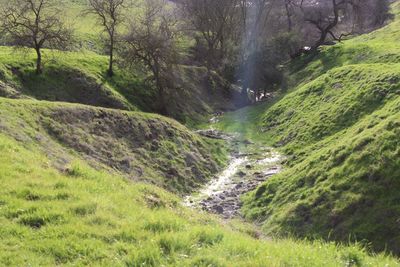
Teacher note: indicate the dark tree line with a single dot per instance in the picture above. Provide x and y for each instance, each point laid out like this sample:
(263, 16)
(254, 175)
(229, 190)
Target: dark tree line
(245, 41)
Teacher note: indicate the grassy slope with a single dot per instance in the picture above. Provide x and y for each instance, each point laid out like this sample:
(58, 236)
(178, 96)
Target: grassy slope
(73, 214)
(77, 77)
(80, 77)
(86, 29)
(196, 95)
(340, 128)
(141, 146)
(88, 217)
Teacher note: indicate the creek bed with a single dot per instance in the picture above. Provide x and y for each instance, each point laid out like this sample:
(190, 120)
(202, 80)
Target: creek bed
(247, 169)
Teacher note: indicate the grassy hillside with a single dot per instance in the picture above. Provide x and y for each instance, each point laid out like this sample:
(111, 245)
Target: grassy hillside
(80, 77)
(140, 146)
(197, 95)
(340, 129)
(380, 46)
(84, 216)
(89, 179)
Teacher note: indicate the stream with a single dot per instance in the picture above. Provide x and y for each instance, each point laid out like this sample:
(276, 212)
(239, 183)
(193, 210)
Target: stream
(250, 165)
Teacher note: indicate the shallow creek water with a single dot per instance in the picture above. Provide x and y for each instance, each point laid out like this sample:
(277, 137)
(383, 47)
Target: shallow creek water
(249, 166)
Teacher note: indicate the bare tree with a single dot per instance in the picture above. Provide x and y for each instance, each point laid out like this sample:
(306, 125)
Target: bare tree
(35, 24)
(152, 41)
(110, 16)
(325, 17)
(214, 21)
(289, 6)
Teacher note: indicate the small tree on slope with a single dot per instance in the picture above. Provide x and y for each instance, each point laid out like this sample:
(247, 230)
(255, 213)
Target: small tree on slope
(110, 16)
(35, 24)
(152, 41)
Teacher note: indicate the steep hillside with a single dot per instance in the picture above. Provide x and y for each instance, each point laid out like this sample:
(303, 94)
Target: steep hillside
(331, 103)
(340, 129)
(344, 187)
(140, 146)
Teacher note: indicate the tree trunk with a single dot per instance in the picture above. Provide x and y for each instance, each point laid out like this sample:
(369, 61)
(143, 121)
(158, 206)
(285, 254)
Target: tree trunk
(289, 16)
(38, 61)
(321, 41)
(328, 29)
(110, 71)
(161, 99)
(210, 58)
(160, 87)
(162, 108)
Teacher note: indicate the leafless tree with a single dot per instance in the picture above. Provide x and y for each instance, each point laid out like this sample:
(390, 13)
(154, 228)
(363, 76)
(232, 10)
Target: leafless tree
(35, 24)
(250, 39)
(152, 41)
(326, 17)
(289, 6)
(214, 21)
(110, 16)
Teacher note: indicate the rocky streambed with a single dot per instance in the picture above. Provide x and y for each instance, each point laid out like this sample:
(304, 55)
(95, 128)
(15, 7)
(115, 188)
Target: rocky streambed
(249, 166)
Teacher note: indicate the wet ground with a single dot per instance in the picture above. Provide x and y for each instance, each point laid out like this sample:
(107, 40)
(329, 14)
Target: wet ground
(249, 166)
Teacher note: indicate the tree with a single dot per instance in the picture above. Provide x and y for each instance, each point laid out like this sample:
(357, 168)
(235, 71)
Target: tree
(289, 6)
(326, 17)
(110, 16)
(35, 24)
(152, 41)
(323, 17)
(215, 22)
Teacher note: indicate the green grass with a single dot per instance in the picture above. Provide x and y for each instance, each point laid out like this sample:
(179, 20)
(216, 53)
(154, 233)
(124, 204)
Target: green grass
(64, 200)
(88, 33)
(86, 30)
(380, 46)
(340, 188)
(141, 146)
(196, 95)
(247, 122)
(78, 77)
(90, 217)
(331, 103)
(339, 127)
